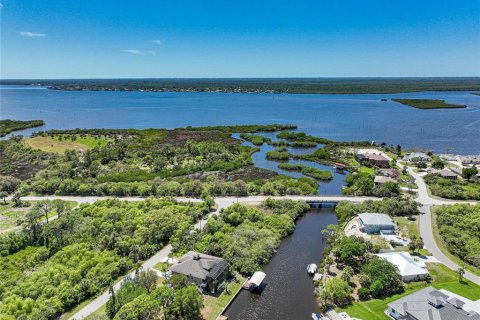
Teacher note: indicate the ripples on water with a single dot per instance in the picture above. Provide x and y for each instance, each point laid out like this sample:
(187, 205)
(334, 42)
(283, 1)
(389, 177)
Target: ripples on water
(289, 290)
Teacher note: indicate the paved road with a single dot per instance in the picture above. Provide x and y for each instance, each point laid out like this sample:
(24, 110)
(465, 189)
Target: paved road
(426, 231)
(223, 202)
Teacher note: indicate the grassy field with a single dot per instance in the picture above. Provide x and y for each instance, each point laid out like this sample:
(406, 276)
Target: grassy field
(428, 104)
(408, 228)
(443, 247)
(59, 146)
(10, 216)
(443, 278)
(214, 305)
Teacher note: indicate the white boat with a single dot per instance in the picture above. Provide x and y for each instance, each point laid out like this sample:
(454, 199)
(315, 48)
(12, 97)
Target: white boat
(311, 268)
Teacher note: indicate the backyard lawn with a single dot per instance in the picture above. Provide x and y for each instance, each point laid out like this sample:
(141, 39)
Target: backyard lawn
(214, 305)
(443, 278)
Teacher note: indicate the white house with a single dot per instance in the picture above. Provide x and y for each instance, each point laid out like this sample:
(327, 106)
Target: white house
(417, 157)
(408, 268)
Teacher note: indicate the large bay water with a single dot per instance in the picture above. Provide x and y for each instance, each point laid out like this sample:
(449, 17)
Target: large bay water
(338, 117)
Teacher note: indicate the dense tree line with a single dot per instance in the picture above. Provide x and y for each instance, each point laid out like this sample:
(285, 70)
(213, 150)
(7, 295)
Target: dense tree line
(361, 183)
(67, 260)
(459, 227)
(246, 237)
(392, 206)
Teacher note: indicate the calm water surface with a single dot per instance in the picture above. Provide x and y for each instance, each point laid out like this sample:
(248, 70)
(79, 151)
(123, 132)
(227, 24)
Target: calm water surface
(289, 290)
(332, 187)
(338, 117)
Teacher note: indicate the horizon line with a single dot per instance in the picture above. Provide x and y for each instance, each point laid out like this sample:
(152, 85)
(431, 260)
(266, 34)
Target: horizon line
(241, 78)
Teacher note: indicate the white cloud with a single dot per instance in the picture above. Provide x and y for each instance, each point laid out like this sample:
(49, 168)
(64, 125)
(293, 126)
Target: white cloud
(137, 52)
(132, 51)
(157, 41)
(29, 34)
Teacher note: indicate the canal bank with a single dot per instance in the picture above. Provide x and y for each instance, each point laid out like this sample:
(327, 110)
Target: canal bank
(288, 293)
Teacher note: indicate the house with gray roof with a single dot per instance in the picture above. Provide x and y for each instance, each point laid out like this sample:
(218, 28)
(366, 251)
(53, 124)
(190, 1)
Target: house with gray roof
(373, 223)
(430, 304)
(416, 157)
(207, 272)
(448, 174)
(379, 180)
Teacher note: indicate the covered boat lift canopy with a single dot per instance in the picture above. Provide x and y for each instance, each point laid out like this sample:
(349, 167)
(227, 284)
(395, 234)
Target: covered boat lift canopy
(257, 279)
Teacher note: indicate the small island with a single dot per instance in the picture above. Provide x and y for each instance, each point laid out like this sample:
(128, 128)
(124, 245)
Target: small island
(7, 126)
(428, 104)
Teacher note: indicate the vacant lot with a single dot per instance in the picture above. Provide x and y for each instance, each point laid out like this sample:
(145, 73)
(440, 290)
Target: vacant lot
(59, 145)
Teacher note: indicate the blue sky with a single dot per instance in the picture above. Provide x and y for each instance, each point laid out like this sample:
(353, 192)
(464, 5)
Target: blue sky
(335, 38)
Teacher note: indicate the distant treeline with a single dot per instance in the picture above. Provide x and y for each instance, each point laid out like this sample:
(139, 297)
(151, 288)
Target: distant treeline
(264, 85)
(225, 129)
(7, 126)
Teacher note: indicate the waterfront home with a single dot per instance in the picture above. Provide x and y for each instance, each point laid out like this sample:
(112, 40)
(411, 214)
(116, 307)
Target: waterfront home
(372, 159)
(379, 180)
(448, 157)
(374, 223)
(431, 304)
(207, 272)
(458, 171)
(470, 160)
(416, 157)
(408, 269)
(387, 172)
(448, 174)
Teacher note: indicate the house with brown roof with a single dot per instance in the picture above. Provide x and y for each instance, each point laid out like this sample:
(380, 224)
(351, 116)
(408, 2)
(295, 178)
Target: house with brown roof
(372, 159)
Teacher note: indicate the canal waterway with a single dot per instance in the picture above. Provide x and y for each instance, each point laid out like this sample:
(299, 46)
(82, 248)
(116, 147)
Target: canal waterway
(288, 293)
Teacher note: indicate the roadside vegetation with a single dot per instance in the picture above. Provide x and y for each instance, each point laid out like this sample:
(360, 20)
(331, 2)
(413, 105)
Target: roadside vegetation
(453, 188)
(428, 104)
(459, 229)
(7, 126)
(50, 267)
